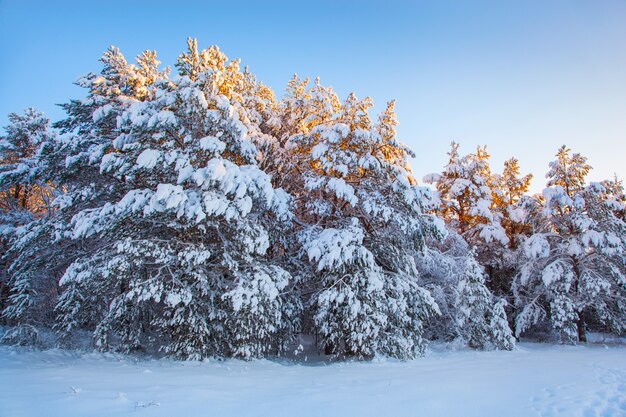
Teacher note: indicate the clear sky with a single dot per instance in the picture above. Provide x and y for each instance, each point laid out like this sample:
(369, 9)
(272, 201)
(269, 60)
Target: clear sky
(523, 77)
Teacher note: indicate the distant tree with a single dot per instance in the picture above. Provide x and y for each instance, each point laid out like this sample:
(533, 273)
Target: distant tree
(23, 187)
(509, 191)
(512, 206)
(574, 272)
(615, 197)
(568, 171)
(467, 188)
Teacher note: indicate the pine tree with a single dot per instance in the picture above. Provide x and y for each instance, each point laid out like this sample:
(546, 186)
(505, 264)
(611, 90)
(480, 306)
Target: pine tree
(467, 188)
(361, 219)
(511, 204)
(470, 313)
(480, 316)
(509, 191)
(614, 197)
(25, 198)
(574, 275)
(568, 171)
(44, 249)
(23, 187)
(184, 266)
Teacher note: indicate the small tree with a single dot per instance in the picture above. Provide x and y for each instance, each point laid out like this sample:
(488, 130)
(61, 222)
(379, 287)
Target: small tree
(480, 315)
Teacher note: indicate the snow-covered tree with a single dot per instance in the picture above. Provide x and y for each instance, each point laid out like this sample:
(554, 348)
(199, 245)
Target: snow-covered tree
(615, 197)
(514, 208)
(43, 249)
(361, 219)
(23, 187)
(575, 271)
(480, 315)
(568, 171)
(466, 188)
(25, 196)
(181, 260)
(509, 191)
(470, 313)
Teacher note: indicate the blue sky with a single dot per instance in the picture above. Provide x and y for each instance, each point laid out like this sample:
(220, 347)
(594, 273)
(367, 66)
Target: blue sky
(523, 77)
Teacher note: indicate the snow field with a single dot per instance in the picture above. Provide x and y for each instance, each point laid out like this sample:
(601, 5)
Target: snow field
(532, 380)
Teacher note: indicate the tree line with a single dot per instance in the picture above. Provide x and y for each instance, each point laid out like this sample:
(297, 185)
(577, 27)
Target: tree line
(197, 215)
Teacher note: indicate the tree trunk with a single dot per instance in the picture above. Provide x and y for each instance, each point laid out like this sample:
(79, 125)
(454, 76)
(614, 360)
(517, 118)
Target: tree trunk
(24, 201)
(18, 188)
(580, 323)
(582, 336)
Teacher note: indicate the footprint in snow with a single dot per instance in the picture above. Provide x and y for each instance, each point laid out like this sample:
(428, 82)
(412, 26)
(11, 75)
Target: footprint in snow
(140, 404)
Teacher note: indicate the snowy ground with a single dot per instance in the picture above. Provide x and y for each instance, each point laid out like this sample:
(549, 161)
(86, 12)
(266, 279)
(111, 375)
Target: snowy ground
(533, 380)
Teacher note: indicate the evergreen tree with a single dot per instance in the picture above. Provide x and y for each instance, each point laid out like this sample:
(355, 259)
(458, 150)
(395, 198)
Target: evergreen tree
(25, 198)
(23, 188)
(467, 188)
(184, 266)
(568, 171)
(509, 191)
(511, 204)
(470, 313)
(361, 220)
(614, 197)
(479, 314)
(574, 274)
(44, 249)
